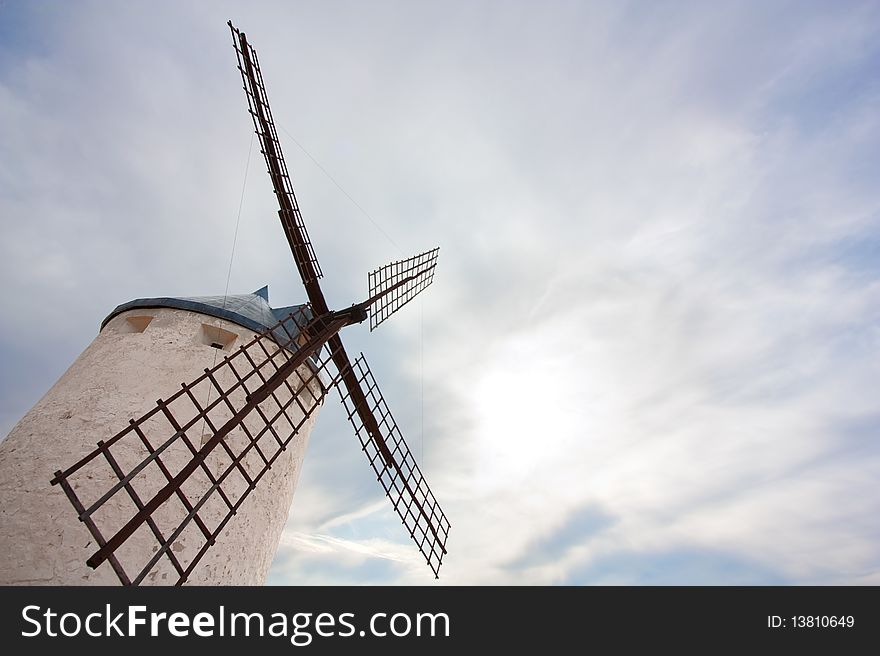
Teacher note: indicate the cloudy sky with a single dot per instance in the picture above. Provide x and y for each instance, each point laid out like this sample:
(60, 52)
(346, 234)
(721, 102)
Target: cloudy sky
(651, 351)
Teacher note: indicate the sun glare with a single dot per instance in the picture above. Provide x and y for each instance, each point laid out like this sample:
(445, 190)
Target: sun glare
(526, 410)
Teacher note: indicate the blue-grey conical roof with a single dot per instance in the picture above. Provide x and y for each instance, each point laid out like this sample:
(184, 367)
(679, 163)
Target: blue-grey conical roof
(251, 311)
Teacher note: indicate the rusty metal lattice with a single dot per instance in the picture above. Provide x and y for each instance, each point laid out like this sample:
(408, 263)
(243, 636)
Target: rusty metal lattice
(264, 124)
(395, 467)
(398, 283)
(178, 474)
(174, 478)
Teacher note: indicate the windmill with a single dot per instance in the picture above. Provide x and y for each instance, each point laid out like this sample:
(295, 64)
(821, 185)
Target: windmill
(280, 376)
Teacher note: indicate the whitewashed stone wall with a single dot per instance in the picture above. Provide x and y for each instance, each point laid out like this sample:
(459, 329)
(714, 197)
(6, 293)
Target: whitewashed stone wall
(119, 377)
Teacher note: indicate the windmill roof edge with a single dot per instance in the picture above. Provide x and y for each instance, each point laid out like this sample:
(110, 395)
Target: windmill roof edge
(251, 311)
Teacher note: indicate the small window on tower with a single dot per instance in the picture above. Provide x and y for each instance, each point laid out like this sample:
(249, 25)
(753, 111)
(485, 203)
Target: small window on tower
(217, 338)
(135, 324)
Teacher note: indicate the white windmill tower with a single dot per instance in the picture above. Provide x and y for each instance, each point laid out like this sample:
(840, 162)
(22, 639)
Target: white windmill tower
(196, 487)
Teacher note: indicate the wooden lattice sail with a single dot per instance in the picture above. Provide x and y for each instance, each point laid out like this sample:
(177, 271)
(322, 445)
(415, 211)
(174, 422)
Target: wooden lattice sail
(210, 444)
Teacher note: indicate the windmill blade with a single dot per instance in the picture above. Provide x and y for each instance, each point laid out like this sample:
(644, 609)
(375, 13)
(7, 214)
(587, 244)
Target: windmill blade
(394, 285)
(185, 467)
(291, 219)
(394, 464)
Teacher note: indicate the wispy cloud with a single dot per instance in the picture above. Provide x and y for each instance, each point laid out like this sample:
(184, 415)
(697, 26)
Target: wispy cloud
(327, 544)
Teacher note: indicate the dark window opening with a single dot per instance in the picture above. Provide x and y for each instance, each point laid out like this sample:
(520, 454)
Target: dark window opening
(216, 337)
